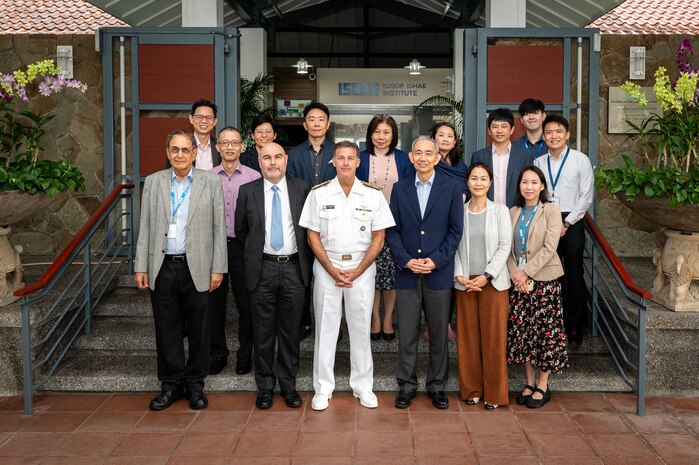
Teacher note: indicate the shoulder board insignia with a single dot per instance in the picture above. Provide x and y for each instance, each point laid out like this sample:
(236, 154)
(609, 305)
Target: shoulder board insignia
(373, 186)
(320, 185)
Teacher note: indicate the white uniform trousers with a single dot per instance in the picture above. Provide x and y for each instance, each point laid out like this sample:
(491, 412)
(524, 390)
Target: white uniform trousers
(327, 305)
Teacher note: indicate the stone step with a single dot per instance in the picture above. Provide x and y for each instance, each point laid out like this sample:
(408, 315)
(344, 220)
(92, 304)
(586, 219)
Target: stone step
(137, 333)
(119, 371)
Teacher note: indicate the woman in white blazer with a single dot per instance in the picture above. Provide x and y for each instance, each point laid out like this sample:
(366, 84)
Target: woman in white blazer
(481, 281)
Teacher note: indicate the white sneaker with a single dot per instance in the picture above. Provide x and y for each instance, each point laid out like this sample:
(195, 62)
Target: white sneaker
(320, 402)
(367, 399)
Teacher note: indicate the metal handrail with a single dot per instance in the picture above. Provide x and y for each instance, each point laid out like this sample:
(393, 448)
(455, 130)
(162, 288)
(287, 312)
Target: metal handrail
(58, 307)
(622, 330)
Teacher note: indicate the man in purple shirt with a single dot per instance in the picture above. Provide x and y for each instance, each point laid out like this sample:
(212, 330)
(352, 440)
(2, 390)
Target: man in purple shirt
(233, 175)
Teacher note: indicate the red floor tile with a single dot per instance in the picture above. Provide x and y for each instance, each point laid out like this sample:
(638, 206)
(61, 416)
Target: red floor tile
(626, 403)
(507, 460)
(585, 403)
(78, 402)
(56, 422)
(41, 403)
(262, 420)
(486, 444)
(660, 423)
(75, 460)
(560, 445)
(681, 404)
(335, 421)
(570, 461)
(255, 444)
(207, 444)
(260, 461)
(224, 402)
(322, 461)
(442, 445)
(198, 460)
(387, 460)
(148, 444)
(503, 421)
(552, 407)
(221, 422)
(22, 460)
(32, 444)
(674, 445)
(432, 422)
(165, 422)
(343, 402)
(534, 422)
(600, 422)
(632, 461)
(4, 437)
(680, 461)
(127, 403)
(375, 443)
(422, 403)
(619, 445)
(140, 460)
(335, 444)
(81, 444)
(12, 422)
(122, 422)
(690, 420)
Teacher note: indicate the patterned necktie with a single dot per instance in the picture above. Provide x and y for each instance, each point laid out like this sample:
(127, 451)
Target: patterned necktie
(277, 232)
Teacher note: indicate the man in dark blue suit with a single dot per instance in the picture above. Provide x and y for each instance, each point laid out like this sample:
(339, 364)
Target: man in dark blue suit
(311, 161)
(429, 214)
(505, 158)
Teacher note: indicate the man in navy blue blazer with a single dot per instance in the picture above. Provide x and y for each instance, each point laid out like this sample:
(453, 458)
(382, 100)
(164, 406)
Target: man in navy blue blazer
(311, 161)
(505, 158)
(429, 214)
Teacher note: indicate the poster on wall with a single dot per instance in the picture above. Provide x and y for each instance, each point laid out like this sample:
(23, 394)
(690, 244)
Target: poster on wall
(389, 86)
(623, 109)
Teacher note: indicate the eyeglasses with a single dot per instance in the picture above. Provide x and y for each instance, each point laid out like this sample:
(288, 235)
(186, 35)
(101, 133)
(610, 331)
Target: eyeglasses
(204, 117)
(264, 131)
(226, 143)
(176, 150)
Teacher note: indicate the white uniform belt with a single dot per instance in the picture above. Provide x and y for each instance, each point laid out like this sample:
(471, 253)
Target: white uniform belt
(345, 257)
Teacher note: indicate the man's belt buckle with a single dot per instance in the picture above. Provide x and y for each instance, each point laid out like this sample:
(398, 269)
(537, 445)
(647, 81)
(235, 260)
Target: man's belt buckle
(347, 257)
(178, 258)
(283, 258)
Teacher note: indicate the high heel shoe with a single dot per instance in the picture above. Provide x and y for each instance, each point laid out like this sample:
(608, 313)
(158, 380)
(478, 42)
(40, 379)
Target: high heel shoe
(472, 400)
(522, 399)
(388, 336)
(375, 336)
(538, 403)
(489, 406)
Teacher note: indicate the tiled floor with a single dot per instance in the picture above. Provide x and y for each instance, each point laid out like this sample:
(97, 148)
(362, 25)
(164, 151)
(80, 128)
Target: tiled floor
(82, 429)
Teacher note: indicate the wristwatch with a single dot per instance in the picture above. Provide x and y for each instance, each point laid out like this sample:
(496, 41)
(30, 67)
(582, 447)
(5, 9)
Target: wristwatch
(488, 276)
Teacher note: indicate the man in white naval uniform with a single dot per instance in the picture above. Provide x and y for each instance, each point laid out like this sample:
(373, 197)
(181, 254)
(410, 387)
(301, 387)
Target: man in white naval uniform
(346, 221)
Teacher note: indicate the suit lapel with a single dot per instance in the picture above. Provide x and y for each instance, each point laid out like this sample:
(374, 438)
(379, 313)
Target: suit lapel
(325, 161)
(535, 221)
(413, 200)
(294, 199)
(165, 188)
(306, 159)
(435, 194)
(195, 194)
(259, 199)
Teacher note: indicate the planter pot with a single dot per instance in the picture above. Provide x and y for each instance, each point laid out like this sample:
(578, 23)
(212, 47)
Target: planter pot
(657, 210)
(18, 206)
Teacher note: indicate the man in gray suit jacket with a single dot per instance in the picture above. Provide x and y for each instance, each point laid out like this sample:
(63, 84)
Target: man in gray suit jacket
(277, 261)
(181, 257)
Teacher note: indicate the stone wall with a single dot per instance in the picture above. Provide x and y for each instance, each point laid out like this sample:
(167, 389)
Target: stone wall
(75, 133)
(628, 234)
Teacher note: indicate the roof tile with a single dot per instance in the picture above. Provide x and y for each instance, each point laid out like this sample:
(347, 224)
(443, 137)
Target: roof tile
(651, 17)
(53, 17)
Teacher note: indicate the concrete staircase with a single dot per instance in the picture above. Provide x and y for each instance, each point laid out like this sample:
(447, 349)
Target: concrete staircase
(119, 355)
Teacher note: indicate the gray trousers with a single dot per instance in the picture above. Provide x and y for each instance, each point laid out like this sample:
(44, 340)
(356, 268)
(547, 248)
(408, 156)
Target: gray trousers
(409, 307)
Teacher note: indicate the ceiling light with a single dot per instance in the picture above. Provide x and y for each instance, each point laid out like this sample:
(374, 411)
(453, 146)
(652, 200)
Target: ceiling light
(414, 67)
(302, 66)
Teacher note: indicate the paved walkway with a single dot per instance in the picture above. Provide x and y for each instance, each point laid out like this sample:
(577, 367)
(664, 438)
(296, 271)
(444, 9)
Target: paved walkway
(80, 429)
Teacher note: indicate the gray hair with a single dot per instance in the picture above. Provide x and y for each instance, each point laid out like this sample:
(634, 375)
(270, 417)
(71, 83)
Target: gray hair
(347, 144)
(420, 139)
(179, 132)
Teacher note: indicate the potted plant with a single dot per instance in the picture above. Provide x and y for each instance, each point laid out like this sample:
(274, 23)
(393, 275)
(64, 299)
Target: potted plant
(23, 172)
(667, 174)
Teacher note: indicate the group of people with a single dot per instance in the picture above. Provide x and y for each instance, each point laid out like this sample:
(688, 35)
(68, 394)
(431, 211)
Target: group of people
(344, 228)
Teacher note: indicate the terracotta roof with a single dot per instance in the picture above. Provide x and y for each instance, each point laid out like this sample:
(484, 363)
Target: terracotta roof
(53, 17)
(651, 17)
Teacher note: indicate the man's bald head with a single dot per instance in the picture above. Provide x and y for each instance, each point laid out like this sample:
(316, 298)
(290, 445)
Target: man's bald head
(273, 160)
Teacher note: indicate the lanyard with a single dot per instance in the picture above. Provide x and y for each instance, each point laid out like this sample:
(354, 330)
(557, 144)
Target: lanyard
(172, 196)
(524, 227)
(554, 182)
(539, 145)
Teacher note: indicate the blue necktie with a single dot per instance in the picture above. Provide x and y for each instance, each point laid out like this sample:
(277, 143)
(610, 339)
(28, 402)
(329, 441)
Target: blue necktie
(277, 232)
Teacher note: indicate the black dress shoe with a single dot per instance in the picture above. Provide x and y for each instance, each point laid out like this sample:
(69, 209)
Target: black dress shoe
(522, 399)
(389, 336)
(264, 399)
(217, 364)
(166, 399)
(292, 399)
(375, 336)
(198, 400)
(439, 399)
(243, 367)
(404, 399)
(538, 403)
(305, 331)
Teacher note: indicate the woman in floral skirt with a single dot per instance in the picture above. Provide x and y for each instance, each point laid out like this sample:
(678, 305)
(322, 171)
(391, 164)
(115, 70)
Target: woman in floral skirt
(536, 335)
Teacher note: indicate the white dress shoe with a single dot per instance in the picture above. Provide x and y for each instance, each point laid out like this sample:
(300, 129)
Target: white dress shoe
(320, 402)
(367, 399)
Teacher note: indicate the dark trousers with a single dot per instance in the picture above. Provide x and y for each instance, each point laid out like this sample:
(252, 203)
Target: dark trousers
(236, 277)
(175, 302)
(570, 249)
(276, 306)
(410, 303)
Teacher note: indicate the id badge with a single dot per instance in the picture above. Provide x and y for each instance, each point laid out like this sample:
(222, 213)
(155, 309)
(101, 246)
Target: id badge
(172, 231)
(555, 200)
(521, 261)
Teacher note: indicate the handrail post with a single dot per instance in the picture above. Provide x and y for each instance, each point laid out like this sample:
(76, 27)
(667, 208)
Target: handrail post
(595, 291)
(27, 358)
(641, 375)
(87, 258)
(129, 235)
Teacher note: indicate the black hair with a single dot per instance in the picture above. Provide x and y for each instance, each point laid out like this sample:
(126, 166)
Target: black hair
(228, 128)
(479, 164)
(205, 103)
(314, 106)
(543, 196)
(556, 119)
(373, 124)
(262, 119)
(501, 114)
(454, 154)
(531, 105)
